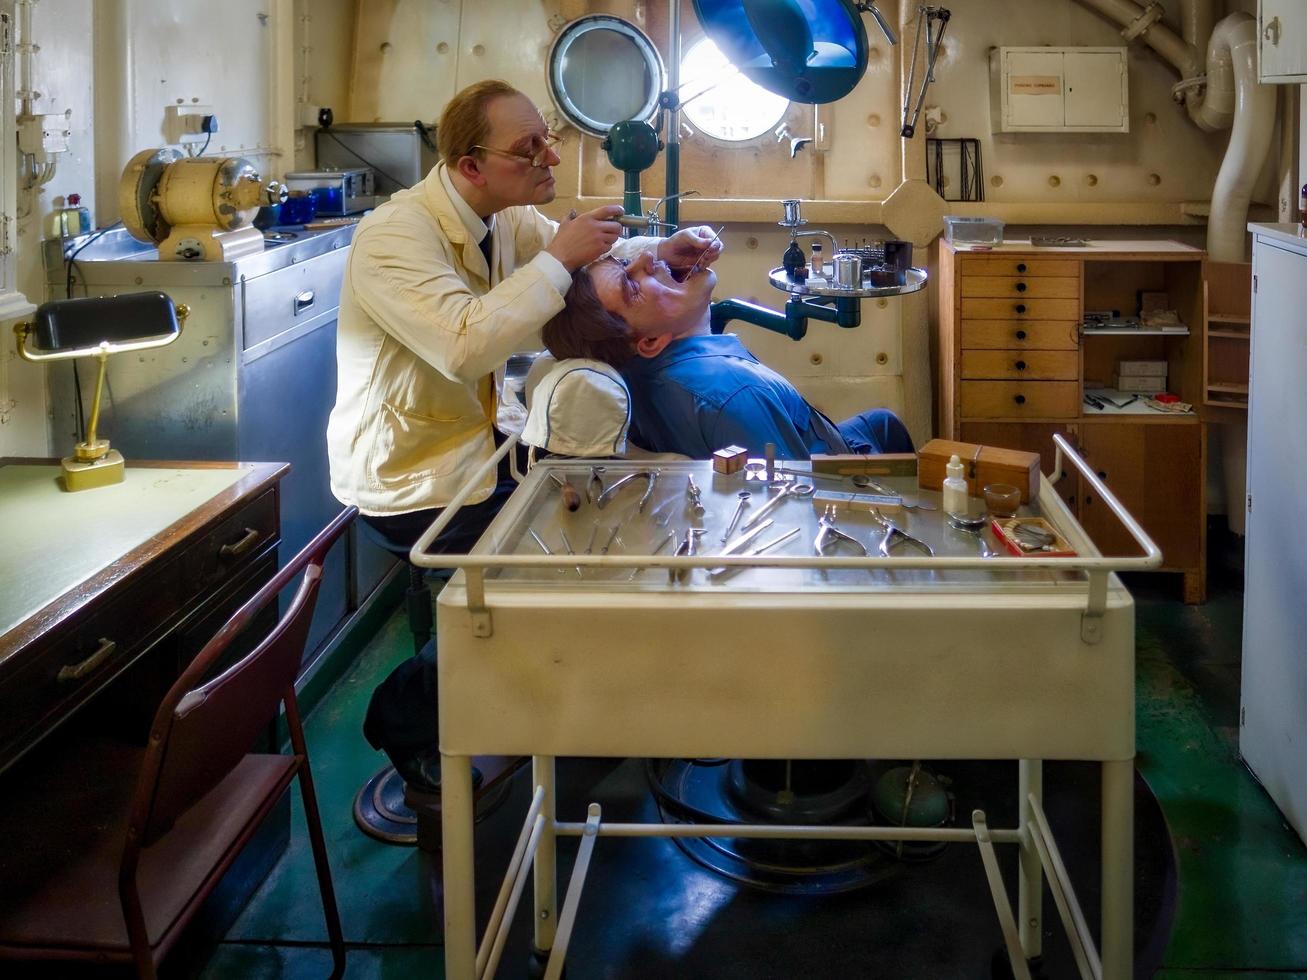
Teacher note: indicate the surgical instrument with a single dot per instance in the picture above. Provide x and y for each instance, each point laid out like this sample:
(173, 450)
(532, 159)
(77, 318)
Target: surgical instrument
(540, 541)
(570, 495)
(786, 490)
(744, 496)
(568, 545)
(696, 497)
(612, 489)
(694, 268)
(739, 543)
(895, 536)
(671, 536)
(974, 526)
(754, 552)
(612, 535)
(686, 549)
(866, 482)
(648, 491)
(596, 479)
(829, 534)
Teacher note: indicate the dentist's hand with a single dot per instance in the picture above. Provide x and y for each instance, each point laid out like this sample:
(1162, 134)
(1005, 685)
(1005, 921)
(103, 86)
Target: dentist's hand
(582, 238)
(683, 249)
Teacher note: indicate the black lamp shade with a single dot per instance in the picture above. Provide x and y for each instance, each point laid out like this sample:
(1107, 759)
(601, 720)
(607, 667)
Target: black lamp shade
(75, 324)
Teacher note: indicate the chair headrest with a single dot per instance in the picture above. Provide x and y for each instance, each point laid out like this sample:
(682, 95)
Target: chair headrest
(579, 408)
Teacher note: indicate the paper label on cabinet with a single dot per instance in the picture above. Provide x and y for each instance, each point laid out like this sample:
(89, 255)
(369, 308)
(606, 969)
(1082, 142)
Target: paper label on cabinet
(1035, 85)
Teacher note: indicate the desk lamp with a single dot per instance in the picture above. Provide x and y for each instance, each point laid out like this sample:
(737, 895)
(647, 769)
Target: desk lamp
(97, 327)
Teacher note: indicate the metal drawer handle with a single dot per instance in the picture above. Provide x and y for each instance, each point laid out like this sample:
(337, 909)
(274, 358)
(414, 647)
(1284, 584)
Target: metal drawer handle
(1021, 287)
(303, 301)
(1020, 399)
(75, 672)
(241, 546)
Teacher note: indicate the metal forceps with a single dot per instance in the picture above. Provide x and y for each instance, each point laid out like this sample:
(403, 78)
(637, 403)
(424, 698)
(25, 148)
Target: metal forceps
(596, 480)
(612, 489)
(829, 535)
(795, 489)
(895, 536)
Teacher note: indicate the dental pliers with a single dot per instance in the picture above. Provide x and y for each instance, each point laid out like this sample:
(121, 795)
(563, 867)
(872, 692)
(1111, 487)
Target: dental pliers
(829, 535)
(611, 491)
(896, 536)
(594, 487)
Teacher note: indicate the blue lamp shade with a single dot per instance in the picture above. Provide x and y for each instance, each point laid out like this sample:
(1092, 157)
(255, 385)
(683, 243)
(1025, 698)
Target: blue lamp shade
(810, 51)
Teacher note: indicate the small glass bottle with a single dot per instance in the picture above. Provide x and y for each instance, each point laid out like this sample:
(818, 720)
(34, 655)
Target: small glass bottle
(71, 220)
(955, 488)
(817, 267)
(1302, 208)
(792, 259)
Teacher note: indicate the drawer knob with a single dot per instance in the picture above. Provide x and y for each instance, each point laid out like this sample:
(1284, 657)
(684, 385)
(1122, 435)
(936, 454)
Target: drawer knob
(1021, 287)
(1021, 365)
(1020, 399)
(1102, 474)
(1021, 307)
(1021, 335)
(75, 672)
(1021, 267)
(242, 546)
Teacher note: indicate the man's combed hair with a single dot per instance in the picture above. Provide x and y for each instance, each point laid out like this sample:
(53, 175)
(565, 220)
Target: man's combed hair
(463, 124)
(583, 328)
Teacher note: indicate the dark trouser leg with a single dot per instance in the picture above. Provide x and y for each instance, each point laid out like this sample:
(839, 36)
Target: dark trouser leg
(401, 717)
(876, 431)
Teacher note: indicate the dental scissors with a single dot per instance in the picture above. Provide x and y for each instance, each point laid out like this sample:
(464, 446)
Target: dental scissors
(829, 535)
(895, 536)
(795, 489)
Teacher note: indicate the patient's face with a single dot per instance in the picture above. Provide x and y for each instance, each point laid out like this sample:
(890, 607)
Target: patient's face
(644, 293)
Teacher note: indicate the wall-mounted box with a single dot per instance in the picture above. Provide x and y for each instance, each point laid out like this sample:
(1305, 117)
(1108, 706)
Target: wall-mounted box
(1059, 90)
(1281, 41)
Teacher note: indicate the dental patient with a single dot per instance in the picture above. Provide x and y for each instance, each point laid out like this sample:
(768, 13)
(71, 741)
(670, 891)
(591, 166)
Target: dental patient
(694, 392)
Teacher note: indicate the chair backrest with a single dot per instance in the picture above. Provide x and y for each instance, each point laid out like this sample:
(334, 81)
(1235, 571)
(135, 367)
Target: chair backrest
(203, 729)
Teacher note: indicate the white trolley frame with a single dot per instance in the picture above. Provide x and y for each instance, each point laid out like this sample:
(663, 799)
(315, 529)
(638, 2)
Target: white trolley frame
(1006, 673)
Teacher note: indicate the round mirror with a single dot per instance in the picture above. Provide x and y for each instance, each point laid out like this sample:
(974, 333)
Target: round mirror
(810, 51)
(603, 70)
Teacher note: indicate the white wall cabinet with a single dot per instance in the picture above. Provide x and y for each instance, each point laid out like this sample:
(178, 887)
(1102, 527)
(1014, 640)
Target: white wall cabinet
(1059, 90)
(12, 303)
(1273, 715)
(1282, 41)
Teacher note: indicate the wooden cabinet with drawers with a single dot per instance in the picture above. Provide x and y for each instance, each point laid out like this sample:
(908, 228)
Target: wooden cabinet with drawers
(1015, 363)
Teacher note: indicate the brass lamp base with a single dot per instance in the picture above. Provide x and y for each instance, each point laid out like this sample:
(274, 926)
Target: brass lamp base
(102, 472)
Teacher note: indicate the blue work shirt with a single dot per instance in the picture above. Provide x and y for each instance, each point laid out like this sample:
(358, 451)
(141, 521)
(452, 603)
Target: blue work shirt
(704, 393)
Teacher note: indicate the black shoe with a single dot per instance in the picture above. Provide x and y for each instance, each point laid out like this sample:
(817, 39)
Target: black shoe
(420, 770)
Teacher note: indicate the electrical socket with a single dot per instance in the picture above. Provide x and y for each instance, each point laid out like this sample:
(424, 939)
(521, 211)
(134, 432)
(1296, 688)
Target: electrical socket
(44, 136)
(308, 115)
(188, 123)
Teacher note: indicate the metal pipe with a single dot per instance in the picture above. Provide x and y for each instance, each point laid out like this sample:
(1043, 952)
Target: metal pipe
(789, 831)
(510, 876)
(672, 164)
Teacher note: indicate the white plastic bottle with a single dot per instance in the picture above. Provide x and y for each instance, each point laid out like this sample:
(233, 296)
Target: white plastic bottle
(955, 488)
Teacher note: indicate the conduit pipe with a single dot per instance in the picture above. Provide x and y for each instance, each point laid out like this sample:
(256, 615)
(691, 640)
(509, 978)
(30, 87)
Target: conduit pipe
(1234, 43)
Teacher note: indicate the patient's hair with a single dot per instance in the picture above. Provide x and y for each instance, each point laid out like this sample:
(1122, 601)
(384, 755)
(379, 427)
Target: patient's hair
(583, 328)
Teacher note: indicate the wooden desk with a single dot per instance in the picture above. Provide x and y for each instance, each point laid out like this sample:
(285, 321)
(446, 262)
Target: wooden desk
(133, 577)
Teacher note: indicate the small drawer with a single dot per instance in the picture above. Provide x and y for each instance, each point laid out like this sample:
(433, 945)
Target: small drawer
(282, 300)
(1020, 334)
(73, 667)
(1017, 265)
(1020, 309)
(232, 544)
(1020, 399)
(1049, 287)
(1037, 365)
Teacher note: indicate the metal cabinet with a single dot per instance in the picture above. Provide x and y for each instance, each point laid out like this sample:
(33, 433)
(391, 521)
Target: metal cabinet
(1282, 41)
(252, 377)
(1272, 722)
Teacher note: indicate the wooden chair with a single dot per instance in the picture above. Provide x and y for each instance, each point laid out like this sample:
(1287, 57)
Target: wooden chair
(162, 842)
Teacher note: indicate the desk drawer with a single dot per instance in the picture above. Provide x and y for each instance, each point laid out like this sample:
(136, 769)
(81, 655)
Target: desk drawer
(1050, 287)
(1016, 265)
(282, 300)
(1021, 309)
(218, 555)
(1039, 365)
(1020, 334)
(1020, 399)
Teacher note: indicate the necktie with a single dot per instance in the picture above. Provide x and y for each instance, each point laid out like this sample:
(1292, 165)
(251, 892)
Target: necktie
(487, 243)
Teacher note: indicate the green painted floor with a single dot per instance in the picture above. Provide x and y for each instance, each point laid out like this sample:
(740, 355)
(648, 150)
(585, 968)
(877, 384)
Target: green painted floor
(1242, 871)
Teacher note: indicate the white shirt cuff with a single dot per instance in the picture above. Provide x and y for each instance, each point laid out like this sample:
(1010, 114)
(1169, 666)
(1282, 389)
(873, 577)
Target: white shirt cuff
(554, 271)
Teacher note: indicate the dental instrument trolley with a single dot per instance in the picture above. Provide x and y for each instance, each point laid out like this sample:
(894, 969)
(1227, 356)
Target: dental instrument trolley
(549, 648)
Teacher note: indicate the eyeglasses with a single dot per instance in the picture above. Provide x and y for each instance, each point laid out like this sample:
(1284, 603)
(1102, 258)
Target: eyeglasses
(540, 147)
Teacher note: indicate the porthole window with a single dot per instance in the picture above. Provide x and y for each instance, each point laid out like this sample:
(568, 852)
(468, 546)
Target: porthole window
(733, 108)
